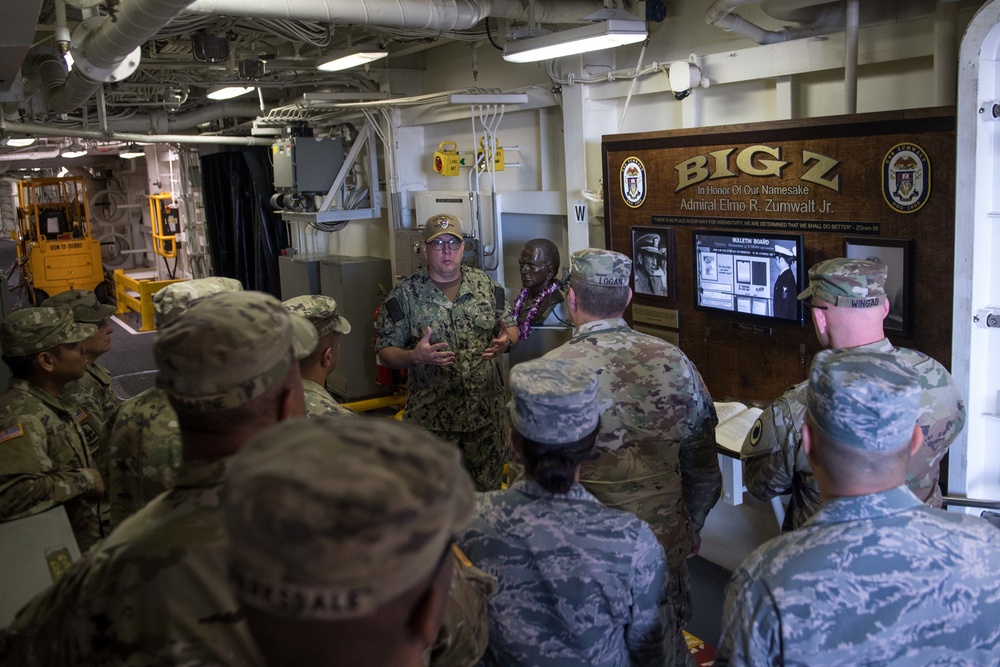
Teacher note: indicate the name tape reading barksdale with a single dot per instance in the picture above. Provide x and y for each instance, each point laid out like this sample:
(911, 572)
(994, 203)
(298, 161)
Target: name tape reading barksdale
(295, 601)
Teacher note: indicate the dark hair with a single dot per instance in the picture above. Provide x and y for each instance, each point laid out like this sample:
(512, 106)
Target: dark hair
(325, 341)
(21, 367)
(600, 301)
(553, 466)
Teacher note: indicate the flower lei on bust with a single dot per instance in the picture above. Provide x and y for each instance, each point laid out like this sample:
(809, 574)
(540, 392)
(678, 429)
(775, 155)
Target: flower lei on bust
(524, 328)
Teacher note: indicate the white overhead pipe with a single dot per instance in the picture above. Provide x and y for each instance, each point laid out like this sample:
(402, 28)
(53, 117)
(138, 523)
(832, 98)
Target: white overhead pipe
(851, 23)
(416, 14)
(42, 130)
(101, 51)
(824, 18)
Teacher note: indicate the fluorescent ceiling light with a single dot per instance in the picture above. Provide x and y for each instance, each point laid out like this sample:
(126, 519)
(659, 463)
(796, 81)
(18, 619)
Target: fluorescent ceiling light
(229, 92)
(593, 37)
(131, 152)
(18, 142)
(353, 57)
(75, 149)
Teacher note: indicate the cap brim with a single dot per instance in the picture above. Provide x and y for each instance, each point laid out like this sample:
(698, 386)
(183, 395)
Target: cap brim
(103, 312)
(442, 233)
(343, 326)
(78, 332)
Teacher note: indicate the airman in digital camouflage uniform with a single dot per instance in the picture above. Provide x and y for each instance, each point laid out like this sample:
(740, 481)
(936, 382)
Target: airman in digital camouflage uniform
(447, 326)
(577, 583)
(144, 444)
(848, 302)
(318, 363)
(44, 458)
(155, 592)
(92, 393)
(342, 531)
(875, 577)
(656, 450)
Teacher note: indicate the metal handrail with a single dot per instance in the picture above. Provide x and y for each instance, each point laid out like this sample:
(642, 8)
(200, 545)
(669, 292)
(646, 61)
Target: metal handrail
(971, 502)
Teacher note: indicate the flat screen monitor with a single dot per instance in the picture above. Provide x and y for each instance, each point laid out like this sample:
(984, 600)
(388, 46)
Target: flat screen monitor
(752, 275)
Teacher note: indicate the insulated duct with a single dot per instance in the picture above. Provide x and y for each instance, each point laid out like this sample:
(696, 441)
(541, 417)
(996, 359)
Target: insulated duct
(101, 50)
(161, 122)
(55, 131)
(415, 14)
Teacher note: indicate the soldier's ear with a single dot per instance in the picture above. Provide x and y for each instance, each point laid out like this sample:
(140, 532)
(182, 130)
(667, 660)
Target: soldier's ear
(46, 361)
(807, 440)
(571, 299)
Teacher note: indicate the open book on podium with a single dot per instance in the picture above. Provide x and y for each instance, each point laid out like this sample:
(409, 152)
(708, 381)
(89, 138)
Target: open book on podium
(735, 421)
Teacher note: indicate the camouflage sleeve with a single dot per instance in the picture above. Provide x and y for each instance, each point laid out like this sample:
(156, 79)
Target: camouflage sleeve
(750, 634)
(647, 638)
(391, 327)
(28, 483)
(701, 479)
(126, 459)
(54, 628)
(464, 633)
(770, 449)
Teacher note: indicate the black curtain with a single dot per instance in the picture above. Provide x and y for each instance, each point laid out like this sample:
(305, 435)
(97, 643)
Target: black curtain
(244, 234)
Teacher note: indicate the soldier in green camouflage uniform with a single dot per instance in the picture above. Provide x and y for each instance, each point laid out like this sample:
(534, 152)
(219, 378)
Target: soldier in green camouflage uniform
(155, 592)
(317, 364)
(875, 577)
(44, 458)
(92, 393)
(848, 303)
(656, 450)
(342, 533)
(144, 444)
(446, 326)
(577, 583)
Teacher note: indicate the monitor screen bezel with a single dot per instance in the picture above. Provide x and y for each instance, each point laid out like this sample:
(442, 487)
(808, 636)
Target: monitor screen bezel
(743, 317)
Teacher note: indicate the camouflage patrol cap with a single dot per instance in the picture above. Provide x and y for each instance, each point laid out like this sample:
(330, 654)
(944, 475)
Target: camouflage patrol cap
(332, 517)
(437, 225)
(651, 243)
(84, 304)
(601, 267)
(849, 283)
(224, 351)
(867, 400)
(175, 298)
(554, 401)
(32, 330)
(304, 336)
(321, 311)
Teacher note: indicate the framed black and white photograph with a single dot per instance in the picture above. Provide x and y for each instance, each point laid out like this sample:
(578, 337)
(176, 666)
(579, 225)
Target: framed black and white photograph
(897, 255)
(652, 261)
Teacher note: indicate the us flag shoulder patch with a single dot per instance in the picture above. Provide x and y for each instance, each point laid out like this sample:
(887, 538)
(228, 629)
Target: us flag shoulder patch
(80, 414)
(14, 431)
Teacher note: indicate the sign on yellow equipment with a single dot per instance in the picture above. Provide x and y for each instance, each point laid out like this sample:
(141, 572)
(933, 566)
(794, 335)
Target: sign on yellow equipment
(55, 249)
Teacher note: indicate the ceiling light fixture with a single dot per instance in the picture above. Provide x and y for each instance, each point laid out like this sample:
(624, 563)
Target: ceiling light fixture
(75, 149)
(18, 142)
(229, 92)
(353, 57)
(593, 37)
(131, 152)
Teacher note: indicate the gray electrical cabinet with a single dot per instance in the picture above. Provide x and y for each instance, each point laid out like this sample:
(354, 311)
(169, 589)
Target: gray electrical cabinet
(299, 275)
(359, 284)
(307, 164)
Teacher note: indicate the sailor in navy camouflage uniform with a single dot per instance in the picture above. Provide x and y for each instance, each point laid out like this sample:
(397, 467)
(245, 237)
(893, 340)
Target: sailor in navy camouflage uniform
(577, 583)
(875, 577)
